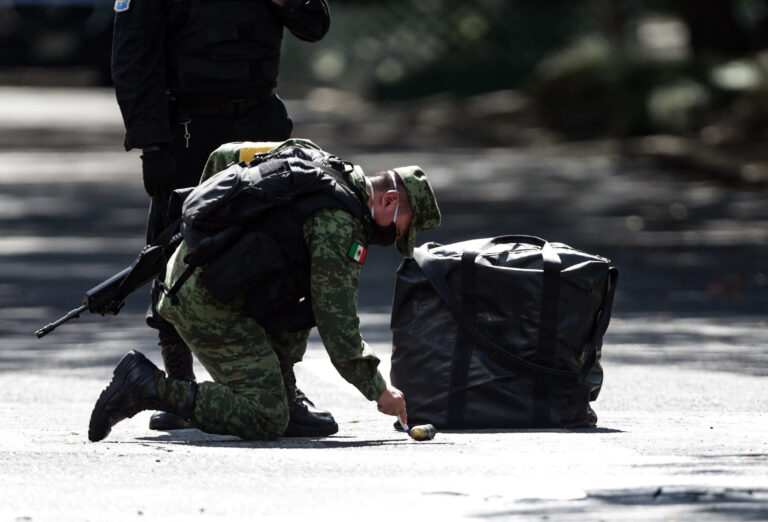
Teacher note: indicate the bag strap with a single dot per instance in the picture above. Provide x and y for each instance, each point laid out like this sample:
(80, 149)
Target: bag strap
(462, 351)
(167, 239)
(436, 276)
(547, 346)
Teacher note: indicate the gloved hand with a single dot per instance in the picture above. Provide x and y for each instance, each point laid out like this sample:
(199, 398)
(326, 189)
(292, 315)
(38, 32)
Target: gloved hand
(158, 170)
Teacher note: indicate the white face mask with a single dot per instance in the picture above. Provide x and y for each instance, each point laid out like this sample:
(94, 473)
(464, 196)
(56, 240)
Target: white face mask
(394, 182)
(370, 187)
(373, 207)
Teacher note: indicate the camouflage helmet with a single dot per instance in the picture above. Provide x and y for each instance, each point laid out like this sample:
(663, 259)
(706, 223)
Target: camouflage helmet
(426, 214)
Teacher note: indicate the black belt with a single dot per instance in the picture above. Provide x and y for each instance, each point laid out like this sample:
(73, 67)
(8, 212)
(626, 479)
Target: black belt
(229, 106)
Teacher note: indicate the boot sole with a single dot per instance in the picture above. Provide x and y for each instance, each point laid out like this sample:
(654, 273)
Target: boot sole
(299, 430)
(119, 376)
(164, 421)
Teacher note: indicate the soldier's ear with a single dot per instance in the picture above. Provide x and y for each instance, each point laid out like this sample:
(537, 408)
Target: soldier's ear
(391, 197)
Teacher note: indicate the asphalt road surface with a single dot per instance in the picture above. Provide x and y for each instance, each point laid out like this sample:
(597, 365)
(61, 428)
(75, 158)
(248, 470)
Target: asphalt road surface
(683, 429)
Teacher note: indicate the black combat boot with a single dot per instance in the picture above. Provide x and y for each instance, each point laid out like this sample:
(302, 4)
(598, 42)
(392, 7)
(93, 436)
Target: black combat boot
(133, 389)
(177, 360)
(305, 419)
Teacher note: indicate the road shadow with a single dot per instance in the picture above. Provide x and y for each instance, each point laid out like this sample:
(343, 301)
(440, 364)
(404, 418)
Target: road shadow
(708, 342)
(655, 503)
(699, 249)
(194, 437)
(588, 431)
(742, 464)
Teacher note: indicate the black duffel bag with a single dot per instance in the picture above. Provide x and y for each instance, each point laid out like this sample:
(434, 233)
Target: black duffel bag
(501, 332)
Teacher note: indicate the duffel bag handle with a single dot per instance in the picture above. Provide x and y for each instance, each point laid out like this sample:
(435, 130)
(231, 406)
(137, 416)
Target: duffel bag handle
(604, 314)
(551, 259)
(519, 238)
(436, 276)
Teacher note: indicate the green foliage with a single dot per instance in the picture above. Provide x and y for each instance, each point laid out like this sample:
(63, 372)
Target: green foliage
(595, 89)
(484, 46)
(398, 49)
(583, 64)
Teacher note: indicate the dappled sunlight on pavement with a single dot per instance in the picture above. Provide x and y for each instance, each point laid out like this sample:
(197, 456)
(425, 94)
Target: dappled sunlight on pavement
(682, 413)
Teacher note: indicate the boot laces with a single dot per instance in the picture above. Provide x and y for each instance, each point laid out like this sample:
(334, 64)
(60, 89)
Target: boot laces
(289, 379)
(172, 357)
(177, 360)
(295, 395)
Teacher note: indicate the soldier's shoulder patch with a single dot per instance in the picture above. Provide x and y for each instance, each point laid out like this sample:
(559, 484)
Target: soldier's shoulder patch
(122, 5)
(357, 252)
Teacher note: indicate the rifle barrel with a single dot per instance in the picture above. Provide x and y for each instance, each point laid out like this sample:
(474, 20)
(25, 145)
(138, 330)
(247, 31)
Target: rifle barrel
(73, 314)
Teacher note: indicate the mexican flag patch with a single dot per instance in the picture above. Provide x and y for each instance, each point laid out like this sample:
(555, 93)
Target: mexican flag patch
(357, 252)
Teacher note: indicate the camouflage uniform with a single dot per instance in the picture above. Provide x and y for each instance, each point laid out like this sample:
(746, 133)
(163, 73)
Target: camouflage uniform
(247, 397)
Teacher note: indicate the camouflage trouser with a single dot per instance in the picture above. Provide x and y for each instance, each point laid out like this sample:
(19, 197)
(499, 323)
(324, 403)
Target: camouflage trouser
(247, 396)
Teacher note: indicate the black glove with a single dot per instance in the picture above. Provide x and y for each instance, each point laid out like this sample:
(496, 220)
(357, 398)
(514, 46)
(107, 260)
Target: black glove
(158, 170)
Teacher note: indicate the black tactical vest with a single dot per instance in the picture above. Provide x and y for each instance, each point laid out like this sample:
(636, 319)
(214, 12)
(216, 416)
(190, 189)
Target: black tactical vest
(245, 226)
(282, 302)
(218, 46)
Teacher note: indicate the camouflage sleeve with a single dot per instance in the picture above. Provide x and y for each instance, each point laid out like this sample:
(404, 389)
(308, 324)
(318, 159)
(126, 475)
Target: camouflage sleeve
(329, 234)
(220, 158)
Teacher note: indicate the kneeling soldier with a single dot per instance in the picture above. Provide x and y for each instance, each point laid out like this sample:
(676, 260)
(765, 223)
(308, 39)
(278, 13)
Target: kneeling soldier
(311, 278)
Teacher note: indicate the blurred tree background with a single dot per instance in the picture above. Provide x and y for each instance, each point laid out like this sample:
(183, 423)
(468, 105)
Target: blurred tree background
(508, 70)
(590, 68)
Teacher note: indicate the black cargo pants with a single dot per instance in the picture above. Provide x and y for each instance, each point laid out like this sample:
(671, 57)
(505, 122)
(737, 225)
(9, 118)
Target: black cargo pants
(198, 130)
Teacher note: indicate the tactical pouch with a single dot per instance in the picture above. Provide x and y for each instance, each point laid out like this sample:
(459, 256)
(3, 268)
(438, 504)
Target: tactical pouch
(248, 263)
(501, 332)
(176, 202)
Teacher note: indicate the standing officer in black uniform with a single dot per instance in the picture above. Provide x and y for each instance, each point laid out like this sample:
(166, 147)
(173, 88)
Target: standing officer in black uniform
(189, 76)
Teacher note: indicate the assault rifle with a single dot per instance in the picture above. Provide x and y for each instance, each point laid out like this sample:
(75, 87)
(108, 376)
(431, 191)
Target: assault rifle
(108, 297)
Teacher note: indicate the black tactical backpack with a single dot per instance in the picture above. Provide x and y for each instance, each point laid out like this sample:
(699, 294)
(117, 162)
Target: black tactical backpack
(219, 218)
(501, 332)
(220, 207)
